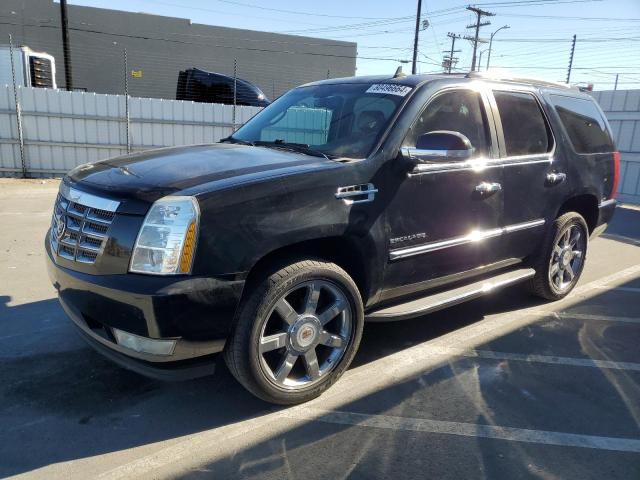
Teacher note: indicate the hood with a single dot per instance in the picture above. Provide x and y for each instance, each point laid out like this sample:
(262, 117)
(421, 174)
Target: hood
(153, 174)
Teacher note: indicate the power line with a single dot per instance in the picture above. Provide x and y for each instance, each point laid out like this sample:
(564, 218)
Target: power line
(293, 12)
(561, 68)
(234, 47)
(221, 12)
(560, 17)
(528, 3)
(561, 40)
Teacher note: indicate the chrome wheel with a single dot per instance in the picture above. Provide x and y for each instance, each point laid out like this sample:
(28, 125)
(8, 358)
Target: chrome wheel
(567, 258)
(305, 334)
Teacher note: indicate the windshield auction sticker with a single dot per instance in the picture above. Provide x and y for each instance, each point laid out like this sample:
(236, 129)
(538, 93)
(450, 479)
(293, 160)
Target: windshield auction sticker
(389, 89)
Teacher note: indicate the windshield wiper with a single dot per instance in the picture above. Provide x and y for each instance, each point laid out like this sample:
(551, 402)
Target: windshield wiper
(231, 139)
(296, 147)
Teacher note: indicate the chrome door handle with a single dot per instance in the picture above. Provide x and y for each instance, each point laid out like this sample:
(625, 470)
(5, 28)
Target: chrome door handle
(487, 187)
(554, 178)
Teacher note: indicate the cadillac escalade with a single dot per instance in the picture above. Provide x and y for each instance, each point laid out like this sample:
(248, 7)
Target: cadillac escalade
(346, 200)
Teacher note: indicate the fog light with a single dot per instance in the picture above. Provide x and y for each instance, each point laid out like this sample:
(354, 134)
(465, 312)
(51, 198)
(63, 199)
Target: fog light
(143, 344)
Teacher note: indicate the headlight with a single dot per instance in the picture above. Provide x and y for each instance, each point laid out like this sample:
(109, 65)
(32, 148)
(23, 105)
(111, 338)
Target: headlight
(167, 239)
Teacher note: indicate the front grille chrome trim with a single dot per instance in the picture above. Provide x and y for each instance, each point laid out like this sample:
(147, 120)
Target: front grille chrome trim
(87, 199)
(80, 225)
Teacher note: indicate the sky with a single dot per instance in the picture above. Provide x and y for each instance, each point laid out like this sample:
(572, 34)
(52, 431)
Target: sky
(536, 44)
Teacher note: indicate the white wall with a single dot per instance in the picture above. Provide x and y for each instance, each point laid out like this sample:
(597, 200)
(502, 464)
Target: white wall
(622, 108)
(63, 129)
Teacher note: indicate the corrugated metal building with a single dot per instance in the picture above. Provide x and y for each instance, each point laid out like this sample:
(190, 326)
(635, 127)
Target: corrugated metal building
(622, 109)
(159, 47)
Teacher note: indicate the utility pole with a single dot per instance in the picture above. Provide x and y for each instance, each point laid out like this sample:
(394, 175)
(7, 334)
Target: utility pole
(615, 87)
(415, 40)
(65, 45)
(479, 23)
(480, 59)
(573, 49)
(449, 60)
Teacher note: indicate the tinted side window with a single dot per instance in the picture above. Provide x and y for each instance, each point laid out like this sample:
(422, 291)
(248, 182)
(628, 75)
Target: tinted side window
(459, 111)
(586, 127)
(525, 129)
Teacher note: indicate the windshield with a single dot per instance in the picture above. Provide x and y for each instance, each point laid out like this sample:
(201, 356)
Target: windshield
(344, 120)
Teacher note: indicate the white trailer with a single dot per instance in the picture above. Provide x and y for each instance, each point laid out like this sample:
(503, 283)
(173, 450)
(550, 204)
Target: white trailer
(32, 69)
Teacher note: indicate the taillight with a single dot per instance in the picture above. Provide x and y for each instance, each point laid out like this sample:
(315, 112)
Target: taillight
(616, 175)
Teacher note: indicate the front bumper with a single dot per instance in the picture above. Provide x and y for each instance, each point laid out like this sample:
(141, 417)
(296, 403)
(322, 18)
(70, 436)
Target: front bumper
(195, 312)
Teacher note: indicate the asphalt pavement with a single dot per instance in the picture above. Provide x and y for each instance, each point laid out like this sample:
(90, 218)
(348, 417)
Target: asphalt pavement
(502, 387)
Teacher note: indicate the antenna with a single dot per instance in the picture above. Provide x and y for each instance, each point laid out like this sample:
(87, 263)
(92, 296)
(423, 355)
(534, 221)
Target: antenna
(399, 73)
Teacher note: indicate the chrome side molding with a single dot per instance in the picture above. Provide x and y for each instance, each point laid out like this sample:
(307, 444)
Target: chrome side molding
(523, 226)
(352, 194)
(478, 164)
(473, 237)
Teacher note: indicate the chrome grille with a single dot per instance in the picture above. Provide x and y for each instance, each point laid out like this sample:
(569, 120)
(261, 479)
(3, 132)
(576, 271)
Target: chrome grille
(79, 228)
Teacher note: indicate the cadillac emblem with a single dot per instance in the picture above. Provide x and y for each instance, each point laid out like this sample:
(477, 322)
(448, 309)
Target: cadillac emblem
(60, 227)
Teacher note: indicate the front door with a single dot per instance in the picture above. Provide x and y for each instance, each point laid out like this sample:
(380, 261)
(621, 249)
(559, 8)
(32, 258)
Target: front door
(443, 221)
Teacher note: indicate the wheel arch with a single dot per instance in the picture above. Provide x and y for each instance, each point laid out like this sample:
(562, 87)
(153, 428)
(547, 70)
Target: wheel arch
(341, 250)
(586, 204)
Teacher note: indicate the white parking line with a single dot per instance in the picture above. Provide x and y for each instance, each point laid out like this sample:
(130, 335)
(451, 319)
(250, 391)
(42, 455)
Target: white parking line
(583, 316)
(621, 289)
(467, 429)
(367, 379)
(532, 358)
(621, 238)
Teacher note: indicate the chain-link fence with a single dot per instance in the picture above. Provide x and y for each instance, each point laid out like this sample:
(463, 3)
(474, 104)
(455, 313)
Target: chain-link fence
(48, 131)
(137, 81)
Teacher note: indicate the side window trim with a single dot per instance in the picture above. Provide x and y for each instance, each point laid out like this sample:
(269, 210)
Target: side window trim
(519, 159)
(488, 113)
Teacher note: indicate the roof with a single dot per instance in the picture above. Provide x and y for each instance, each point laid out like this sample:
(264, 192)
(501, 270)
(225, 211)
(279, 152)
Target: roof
(415, 80)
(409, 80)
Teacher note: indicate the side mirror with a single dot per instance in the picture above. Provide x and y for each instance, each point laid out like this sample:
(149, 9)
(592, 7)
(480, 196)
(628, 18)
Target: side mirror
(440, 145)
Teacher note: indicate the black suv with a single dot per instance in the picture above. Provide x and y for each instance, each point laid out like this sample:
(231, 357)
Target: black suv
(369, 198)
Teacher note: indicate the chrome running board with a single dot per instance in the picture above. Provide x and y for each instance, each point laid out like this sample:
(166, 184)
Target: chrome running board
(449, 298)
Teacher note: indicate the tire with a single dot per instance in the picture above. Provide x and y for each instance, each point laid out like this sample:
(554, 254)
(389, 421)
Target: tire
(559, 265)
(289, 312)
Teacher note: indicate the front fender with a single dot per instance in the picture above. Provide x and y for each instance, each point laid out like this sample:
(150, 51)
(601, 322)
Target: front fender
(239, 227)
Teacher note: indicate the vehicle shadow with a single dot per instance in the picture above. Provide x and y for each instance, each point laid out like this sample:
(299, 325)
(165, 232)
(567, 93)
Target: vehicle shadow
(469, 391)
(60, 401)
(55, 387)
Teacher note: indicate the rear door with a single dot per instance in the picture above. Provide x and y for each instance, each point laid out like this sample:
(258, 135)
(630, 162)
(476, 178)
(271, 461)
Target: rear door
(591, 146)
(534, 173)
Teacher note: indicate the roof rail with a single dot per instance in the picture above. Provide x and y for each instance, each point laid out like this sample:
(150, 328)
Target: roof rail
(510, 77)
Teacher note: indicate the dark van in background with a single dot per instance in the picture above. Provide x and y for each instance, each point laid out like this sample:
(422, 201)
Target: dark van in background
(208, 87)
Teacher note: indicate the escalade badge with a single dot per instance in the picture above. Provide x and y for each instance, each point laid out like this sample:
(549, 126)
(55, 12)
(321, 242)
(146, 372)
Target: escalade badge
(407, 238)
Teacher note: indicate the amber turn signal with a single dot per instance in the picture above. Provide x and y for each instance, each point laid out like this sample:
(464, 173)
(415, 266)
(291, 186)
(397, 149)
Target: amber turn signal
(187, 250)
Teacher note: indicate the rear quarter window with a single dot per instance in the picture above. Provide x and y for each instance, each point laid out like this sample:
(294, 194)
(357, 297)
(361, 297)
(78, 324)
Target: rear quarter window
(524, 126)
(585, 125)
